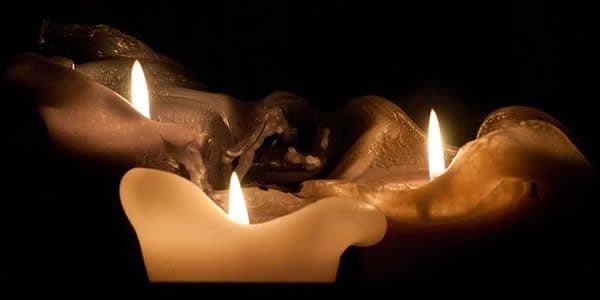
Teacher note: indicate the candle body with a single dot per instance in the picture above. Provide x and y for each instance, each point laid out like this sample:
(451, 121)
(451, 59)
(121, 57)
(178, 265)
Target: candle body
(185, 236)
(509, 183)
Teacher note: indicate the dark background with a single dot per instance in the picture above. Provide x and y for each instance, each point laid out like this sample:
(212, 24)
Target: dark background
(464, 60)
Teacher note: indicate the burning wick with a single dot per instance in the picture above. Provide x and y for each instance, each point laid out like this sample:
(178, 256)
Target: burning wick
(237, 204)
(435, 147)
(139, 90)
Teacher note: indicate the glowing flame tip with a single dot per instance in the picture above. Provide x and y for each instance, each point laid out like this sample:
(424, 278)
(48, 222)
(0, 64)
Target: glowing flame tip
(237, 204)
(139, 90)
(435, 147)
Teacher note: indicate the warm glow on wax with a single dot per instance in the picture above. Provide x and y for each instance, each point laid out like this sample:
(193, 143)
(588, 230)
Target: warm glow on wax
(435, 147)
(139, 90)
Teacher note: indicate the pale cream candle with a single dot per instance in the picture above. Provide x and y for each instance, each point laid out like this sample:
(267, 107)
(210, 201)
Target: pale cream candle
(185, 237)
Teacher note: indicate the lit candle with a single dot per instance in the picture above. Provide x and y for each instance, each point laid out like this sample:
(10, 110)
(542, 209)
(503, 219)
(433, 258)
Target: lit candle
(185, 237)
(520, 162)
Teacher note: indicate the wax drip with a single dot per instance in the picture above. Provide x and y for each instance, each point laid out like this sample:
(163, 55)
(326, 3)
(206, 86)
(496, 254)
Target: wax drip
(190, 156)
(272, 122)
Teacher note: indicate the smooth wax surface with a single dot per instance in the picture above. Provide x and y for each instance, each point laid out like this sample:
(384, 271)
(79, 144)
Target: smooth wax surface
(186, 237)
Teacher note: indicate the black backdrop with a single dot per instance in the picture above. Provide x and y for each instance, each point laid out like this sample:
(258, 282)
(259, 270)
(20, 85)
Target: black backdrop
(464, 60)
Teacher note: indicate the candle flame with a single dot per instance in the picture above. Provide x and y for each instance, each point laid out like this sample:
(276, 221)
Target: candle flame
(139, 90)
(237, 204)
(435, 147)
